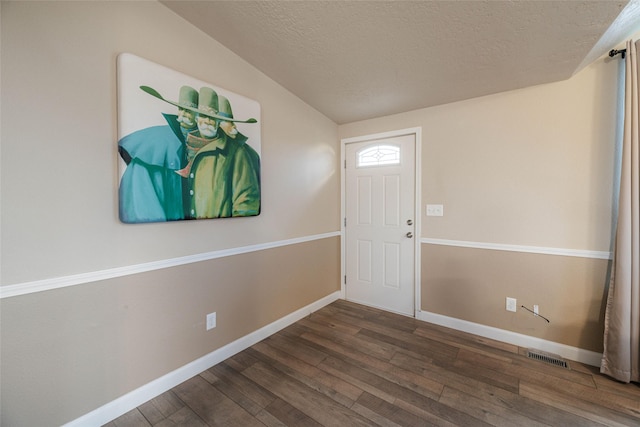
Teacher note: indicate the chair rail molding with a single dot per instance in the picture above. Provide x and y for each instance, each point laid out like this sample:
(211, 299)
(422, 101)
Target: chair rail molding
(25, 288)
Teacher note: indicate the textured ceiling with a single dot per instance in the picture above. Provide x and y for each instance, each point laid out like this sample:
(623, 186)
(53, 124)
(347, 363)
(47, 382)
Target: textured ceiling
(355, 60)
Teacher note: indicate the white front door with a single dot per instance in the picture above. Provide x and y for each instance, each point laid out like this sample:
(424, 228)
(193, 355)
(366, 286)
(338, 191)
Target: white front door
(380, 223)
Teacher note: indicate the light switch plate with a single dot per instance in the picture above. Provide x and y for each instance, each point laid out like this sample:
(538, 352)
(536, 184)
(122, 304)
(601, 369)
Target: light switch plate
(435, 210)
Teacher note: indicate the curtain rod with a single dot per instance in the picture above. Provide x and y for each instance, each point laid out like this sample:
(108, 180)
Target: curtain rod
(614, 52)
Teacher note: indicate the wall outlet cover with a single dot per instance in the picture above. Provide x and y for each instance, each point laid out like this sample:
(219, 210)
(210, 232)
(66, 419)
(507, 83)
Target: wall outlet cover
(435, 210)
(211, 321)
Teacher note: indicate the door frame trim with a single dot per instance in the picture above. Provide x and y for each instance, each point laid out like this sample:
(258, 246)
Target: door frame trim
(417, 132)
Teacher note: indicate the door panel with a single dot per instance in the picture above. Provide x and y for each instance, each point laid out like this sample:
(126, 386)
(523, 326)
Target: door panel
(364, 261)
(364, 200)
(380, 205)
(391, 263)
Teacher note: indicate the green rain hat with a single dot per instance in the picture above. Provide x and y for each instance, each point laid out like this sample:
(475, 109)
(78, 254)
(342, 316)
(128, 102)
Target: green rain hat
(188, 98)
(218, 107)
(226, 112)
(206, 103)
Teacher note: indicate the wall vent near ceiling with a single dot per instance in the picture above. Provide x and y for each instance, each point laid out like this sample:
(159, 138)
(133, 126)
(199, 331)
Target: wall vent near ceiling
(551, 359)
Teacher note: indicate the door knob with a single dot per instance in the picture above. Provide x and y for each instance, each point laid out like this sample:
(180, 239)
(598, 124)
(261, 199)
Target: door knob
(409, 234)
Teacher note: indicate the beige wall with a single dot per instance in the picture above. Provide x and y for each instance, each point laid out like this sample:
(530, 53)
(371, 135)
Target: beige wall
(526, 167)
(471, 284)
(68, 351)
(60, 211)
(531, 167)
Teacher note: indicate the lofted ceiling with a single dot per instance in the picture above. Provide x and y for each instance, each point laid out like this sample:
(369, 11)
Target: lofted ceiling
(355, 60)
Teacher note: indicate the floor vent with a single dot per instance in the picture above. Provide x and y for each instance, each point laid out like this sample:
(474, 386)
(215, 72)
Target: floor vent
(551, 359)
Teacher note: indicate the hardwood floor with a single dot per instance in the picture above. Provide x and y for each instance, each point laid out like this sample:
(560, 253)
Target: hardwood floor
(351, 365)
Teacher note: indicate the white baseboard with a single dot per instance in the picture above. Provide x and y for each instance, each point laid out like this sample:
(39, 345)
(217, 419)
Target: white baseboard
(572, 353)
(135, 398)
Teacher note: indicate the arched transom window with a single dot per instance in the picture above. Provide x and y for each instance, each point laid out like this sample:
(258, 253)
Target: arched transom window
(378, 155)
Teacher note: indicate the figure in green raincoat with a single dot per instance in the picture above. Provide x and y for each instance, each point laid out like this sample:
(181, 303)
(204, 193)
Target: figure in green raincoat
(223, 171)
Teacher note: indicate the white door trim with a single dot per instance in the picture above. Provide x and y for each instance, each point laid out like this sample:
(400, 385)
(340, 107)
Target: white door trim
(417, 132)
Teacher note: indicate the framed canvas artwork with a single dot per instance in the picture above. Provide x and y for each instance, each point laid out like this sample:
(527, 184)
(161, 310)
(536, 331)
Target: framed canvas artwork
(187, 148)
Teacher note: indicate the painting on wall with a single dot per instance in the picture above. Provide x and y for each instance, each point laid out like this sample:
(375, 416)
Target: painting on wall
(187, 149)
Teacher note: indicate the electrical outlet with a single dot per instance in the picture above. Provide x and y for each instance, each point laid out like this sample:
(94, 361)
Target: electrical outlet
(211, 321)
(511, 304)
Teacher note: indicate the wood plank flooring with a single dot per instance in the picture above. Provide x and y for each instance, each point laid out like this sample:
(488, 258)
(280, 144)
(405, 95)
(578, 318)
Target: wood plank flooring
(351, 365)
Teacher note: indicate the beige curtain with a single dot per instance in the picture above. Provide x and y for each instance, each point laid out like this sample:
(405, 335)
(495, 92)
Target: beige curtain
(621, 357)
